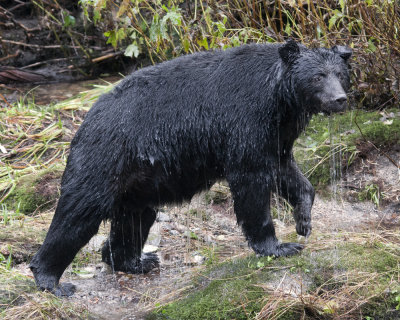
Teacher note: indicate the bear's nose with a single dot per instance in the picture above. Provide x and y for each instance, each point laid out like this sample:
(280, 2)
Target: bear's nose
(341, 99)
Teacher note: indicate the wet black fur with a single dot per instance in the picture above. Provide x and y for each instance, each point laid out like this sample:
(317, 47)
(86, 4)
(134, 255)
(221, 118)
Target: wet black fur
(171, 130)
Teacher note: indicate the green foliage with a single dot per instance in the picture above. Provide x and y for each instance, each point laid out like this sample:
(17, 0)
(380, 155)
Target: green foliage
(211, 255)
(371, 192)
(227, 291)
(160, 30)
(6, 262)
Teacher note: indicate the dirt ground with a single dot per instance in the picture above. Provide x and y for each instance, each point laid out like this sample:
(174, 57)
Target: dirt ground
(185, 238)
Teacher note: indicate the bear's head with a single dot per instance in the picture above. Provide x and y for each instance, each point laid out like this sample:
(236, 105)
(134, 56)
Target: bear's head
(319, 77)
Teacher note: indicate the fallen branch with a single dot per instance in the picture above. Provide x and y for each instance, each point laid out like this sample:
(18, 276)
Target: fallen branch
(56, 46)
(107, 56)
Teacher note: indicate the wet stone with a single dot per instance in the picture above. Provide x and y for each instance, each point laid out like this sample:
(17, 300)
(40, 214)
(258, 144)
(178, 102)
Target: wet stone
(148, 248)
(163, 217)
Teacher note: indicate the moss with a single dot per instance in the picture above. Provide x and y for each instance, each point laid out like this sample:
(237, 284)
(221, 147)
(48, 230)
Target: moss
(373, 258)
(34, 191)
(224, 291)
(237, 300)
(382, 307)
(330, 144)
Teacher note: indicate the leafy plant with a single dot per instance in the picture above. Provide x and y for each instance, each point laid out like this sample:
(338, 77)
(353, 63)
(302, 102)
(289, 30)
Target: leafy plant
(6, 262)
(373, 193)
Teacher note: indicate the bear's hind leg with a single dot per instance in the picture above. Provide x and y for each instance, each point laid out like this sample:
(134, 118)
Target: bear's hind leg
(129, 231)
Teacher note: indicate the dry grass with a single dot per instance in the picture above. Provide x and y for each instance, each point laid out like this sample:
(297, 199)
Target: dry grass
(34, 137)
(42, 305)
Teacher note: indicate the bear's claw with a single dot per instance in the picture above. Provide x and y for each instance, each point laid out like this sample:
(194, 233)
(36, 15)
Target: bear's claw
(64, 290)
(276, 249)
(303, 228)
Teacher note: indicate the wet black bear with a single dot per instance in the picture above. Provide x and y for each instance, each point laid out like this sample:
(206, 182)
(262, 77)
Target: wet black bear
(171, 130)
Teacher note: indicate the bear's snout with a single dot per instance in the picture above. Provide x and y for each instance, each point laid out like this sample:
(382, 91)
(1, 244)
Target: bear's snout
(334, 97)
(339, 103)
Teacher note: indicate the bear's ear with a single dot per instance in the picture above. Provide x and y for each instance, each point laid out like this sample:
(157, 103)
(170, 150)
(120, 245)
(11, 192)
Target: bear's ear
(343, 51)
(289, 51)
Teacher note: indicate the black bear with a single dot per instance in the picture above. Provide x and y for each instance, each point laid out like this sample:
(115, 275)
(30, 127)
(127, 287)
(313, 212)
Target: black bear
(173, 129)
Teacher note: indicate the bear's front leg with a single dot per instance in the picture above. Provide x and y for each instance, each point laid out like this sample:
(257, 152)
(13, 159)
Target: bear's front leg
(251, 196)
(299, 192)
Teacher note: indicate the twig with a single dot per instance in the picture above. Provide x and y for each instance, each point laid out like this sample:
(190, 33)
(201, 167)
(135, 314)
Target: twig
(16, 54)
(107, 56)
(56, 46)
(5, 100)
(38, 28)
(47, 61)
(21, 4)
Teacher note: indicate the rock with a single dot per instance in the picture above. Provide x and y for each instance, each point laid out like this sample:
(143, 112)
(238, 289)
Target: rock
(217, 194)
(198, 259)
(221, 237)
(193, 259)
(148, 248)
(163, 217)
(106, 268)
(179, 227)
(95, 244)
(166, 226)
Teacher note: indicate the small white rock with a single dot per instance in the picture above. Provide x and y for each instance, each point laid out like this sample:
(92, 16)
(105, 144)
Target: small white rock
(198, 259)
(148, 248)
(221, 237)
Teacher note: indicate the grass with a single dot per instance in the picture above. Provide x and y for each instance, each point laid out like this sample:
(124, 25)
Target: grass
(19, 299)
(36, 141)
(20, 238)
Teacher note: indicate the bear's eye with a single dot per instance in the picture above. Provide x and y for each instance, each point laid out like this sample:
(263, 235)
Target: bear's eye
(318, 77)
